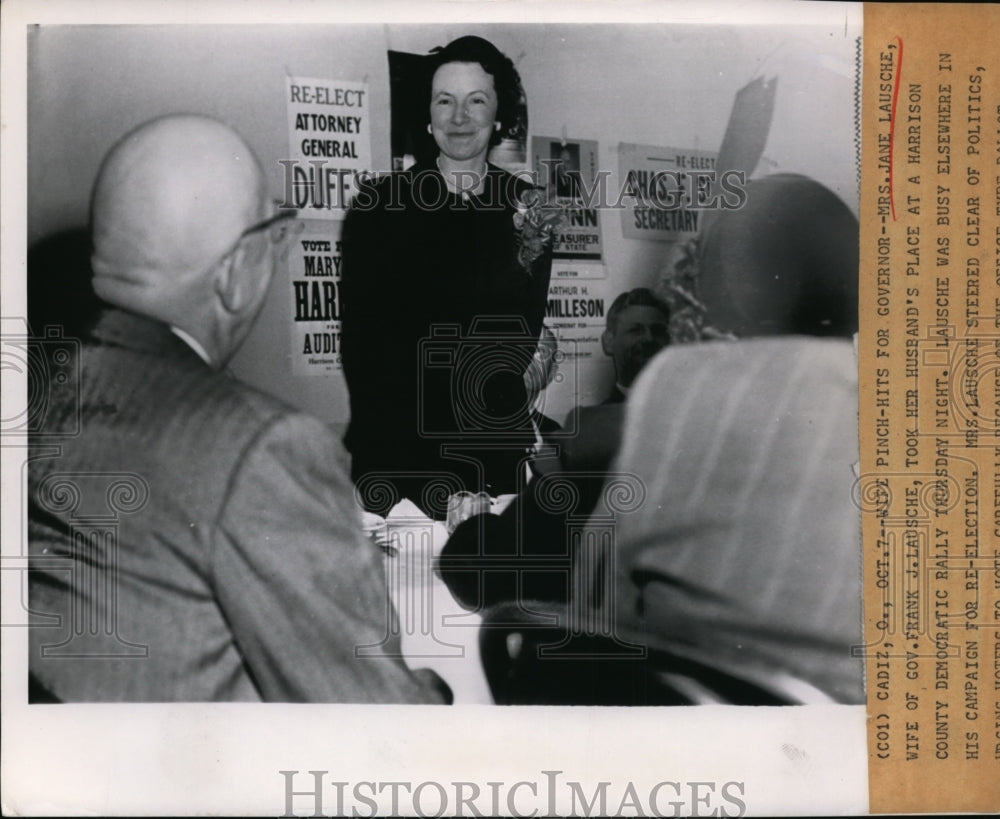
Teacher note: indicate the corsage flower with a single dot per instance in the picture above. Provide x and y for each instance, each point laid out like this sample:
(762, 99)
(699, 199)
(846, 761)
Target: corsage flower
(680, 288)
(535, 224)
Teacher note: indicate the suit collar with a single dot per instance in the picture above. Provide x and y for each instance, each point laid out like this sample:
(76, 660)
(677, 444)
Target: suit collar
(120, 328)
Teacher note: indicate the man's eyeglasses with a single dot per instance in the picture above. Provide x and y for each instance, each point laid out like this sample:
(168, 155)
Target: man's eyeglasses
(280, 226)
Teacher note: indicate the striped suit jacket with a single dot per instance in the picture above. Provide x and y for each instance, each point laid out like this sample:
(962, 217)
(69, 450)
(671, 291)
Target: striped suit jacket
(192, 539)
(746, 551)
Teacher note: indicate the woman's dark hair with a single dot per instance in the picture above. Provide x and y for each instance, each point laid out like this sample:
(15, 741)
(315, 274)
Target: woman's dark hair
(785, 263)
(506, 81)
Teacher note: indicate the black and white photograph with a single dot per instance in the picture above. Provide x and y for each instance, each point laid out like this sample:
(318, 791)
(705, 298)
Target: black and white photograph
(313, 410)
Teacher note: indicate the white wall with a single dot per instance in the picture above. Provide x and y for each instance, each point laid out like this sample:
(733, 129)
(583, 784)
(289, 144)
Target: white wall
(610, 83)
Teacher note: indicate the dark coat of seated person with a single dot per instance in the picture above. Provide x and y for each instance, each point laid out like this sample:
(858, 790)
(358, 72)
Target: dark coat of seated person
(527, 551)
(637, 328)
(484, 561)
(738, 578)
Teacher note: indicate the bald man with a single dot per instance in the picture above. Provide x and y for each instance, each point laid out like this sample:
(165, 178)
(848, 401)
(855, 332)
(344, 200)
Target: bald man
(197, 540)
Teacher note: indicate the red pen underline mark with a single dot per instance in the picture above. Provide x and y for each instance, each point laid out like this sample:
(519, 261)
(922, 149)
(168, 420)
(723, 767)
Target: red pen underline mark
(892, 125)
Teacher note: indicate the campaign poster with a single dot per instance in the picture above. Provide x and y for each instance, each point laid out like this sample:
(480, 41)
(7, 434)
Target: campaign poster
(567, 169)
(314, 289)
(563, 269)
(329, 142)
(667, 191)
(576, 310)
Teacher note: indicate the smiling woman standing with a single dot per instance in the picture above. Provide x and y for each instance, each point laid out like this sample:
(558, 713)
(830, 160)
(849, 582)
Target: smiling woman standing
(444, 291)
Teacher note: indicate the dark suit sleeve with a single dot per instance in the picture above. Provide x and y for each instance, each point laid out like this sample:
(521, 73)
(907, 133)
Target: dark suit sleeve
(301, 587)
(599, 434)
(365, 320)
(379, 334)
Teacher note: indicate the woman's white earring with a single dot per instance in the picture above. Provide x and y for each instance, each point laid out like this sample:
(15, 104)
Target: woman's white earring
(496, 126)
(429, 129)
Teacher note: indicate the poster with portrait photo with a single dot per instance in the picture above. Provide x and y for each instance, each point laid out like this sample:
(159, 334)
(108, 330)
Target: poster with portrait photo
(567, 170)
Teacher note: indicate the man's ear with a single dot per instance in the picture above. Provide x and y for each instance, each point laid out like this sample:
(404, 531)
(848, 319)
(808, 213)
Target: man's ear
(232, 282)
(607, 337)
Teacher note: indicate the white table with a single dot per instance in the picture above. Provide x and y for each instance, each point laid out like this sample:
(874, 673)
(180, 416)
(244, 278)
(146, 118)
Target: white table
(434, 630)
